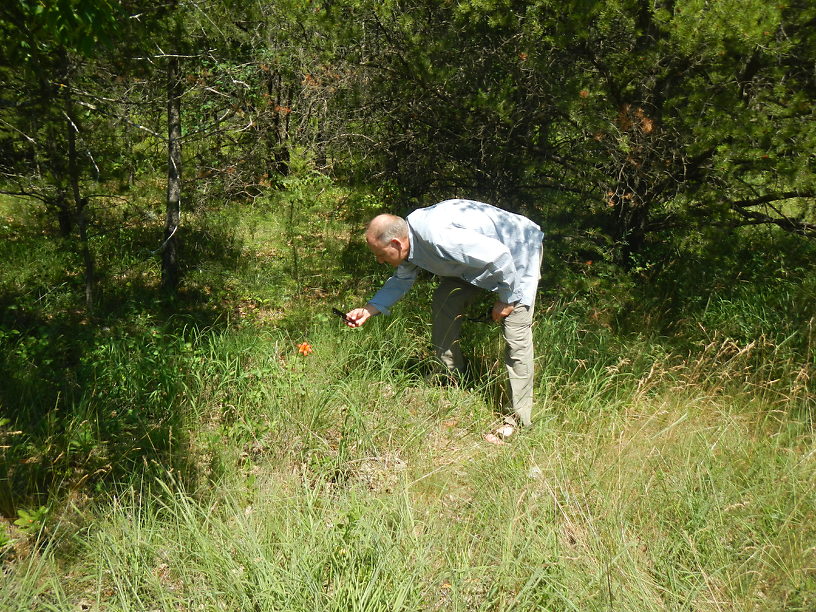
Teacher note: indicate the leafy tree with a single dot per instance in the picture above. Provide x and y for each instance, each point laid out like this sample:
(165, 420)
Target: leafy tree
(624, 117)
(685, 115)
(45, 143)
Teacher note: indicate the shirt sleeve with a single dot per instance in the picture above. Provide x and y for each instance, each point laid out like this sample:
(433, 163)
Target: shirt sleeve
(394, 288)
(487, 263)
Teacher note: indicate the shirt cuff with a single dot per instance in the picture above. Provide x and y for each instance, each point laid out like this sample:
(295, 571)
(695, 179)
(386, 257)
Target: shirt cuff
(508, 297)
(383, 309)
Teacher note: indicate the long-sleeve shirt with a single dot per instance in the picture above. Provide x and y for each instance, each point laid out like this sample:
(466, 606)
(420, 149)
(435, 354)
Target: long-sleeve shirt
(483, 245)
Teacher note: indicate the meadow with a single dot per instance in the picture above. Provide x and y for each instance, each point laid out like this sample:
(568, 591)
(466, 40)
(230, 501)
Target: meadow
(239, 448)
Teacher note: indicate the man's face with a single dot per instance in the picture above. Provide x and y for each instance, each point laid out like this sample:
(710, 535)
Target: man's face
(392, 253)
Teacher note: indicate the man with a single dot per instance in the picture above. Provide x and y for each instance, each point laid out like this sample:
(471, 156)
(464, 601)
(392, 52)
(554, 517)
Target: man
(471, 246)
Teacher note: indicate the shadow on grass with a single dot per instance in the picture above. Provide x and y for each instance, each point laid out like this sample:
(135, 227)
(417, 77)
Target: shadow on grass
(87, 402)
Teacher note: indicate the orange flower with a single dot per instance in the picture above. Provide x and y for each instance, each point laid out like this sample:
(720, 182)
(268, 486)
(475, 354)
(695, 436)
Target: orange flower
(304, 348)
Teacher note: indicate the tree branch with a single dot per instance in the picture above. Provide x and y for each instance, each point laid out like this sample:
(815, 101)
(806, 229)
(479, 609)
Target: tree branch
(753, 217)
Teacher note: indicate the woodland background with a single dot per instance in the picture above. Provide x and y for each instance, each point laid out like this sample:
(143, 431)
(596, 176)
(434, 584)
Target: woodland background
(184, 189)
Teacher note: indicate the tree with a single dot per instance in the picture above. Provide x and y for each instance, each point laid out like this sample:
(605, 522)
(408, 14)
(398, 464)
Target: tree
(170, 270)
(625, 118)
(44, 46)
(686, 118)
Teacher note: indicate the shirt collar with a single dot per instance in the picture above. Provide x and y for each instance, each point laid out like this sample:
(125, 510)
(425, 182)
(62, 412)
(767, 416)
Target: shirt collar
(410, 243)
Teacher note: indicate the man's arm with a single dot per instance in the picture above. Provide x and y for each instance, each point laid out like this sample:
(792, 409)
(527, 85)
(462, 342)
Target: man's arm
(393, 289)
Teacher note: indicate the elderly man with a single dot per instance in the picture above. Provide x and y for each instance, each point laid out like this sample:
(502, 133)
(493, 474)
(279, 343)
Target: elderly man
(470, 246)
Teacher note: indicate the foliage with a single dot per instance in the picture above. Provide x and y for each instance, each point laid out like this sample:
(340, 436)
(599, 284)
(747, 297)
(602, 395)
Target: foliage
(31, 521)
(238, 446)
(617, 124)
(616, 116)
(243, 443)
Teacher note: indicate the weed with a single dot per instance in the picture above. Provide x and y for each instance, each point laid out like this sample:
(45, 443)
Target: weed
(32, 522)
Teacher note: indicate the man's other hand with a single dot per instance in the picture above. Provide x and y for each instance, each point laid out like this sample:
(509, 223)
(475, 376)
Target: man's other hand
(501, 310)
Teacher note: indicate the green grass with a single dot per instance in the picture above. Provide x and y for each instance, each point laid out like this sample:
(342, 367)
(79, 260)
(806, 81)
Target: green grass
(191, 459)
(337, 481)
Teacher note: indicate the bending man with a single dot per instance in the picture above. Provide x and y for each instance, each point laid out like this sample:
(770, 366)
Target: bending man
(471, 246)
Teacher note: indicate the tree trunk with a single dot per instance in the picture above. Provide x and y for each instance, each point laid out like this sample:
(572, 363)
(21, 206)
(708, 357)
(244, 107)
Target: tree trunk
(170, 266)
(278, 133)
(80, 203)
(628, 226)
(65, 216)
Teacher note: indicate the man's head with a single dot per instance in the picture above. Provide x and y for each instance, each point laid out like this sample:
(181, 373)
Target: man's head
(387, 238)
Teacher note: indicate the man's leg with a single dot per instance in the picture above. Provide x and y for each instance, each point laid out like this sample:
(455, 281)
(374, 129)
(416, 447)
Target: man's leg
(450, 300)
(519, 360)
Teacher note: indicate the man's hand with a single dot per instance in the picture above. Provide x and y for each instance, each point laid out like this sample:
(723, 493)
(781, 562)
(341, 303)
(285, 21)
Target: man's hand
(358, 316)
(501, 310)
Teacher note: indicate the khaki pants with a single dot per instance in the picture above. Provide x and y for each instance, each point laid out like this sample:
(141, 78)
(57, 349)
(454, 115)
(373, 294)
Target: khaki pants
(450, 300)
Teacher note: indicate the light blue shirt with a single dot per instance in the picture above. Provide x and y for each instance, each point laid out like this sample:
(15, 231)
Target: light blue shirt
(483, 245)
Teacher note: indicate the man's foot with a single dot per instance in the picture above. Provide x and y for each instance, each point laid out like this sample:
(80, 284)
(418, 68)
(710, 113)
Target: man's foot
(494, 439)
(500, 434)
(505, 431)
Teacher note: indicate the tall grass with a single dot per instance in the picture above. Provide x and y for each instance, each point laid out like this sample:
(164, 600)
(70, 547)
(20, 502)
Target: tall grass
(209, 465)
(337, 481)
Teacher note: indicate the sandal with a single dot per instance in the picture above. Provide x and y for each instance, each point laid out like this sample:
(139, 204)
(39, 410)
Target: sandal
(500, 434)
(505, 431)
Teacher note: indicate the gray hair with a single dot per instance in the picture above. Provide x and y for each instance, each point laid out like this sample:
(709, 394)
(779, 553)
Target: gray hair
(385, 228)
